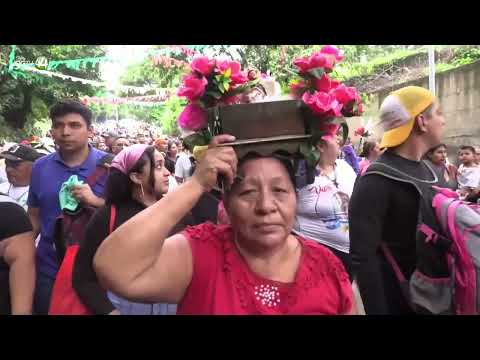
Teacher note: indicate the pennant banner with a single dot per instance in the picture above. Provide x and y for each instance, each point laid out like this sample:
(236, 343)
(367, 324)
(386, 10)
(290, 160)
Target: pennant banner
(160, 57)
(76, 64)
(124, 88)
(169, 62)
(152, 100)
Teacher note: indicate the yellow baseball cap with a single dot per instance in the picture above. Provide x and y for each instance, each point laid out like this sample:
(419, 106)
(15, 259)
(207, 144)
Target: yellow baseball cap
(398, 112)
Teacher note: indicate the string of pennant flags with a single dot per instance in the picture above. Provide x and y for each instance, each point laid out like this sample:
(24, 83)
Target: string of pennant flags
(76, 64)
(18, 67)
(151, 100)
(95, 83)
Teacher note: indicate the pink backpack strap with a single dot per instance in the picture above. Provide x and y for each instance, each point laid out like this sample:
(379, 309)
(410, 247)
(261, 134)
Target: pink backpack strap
(113, 216)
(430, 234)
(391, 260)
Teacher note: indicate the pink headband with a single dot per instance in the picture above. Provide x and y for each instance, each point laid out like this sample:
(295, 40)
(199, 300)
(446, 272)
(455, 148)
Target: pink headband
(128, 157)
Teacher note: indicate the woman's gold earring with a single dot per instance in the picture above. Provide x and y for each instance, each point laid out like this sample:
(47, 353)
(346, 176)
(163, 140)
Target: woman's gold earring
(141, 188)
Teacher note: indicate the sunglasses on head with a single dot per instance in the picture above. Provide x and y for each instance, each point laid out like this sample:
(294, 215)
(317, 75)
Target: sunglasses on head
(13, 163)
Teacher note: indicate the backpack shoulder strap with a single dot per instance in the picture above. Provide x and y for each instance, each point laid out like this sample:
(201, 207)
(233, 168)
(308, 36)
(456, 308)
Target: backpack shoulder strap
(113, 217)
(388, 171)
(99, 171)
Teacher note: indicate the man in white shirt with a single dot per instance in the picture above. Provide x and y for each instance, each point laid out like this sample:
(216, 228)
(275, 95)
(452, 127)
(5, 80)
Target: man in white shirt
(183, 166)
(18, 165)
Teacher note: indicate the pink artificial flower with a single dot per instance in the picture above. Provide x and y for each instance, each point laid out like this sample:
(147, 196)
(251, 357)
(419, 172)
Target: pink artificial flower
(360, 131)
(202, 65)
(322, 104)
(296, 88)
(329, 129)
(332, 50)
(193, 117)
(237, 76)
(192, 87)
(224, 65)
(325, 84)
(319, 60)
(346, 95)
(303, 64)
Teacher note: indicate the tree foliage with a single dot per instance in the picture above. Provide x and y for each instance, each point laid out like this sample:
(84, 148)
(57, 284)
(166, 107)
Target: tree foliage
(25, 99)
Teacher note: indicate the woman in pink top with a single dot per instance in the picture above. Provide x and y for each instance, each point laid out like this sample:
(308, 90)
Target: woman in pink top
(371, 152)
(253, 266)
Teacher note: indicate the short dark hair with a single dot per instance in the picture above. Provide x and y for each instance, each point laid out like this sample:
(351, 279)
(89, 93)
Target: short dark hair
(170, 144)
(119, 186)
(186, 146)
(118, 138)
(368, 146)
(467, 147)
(430, 152)
(65, 107)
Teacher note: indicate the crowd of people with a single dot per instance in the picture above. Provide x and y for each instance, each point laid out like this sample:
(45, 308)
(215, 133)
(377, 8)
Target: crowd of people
(156, 234)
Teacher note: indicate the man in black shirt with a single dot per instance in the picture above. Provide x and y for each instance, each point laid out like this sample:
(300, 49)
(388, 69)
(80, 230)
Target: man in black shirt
(17, 259)
(386, 210)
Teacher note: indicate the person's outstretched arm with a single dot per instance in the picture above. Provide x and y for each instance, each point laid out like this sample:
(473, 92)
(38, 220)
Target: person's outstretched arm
(137, 261)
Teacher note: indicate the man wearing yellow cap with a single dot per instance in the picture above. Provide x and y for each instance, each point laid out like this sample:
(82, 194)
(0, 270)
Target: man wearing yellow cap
(385, 209)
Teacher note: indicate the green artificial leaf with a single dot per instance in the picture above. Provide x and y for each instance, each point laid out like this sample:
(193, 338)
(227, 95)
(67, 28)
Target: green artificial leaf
(317, 72)
(311, 155)
(218, 77)
(214, 94)
(226, 85)
(221, 88)
(243, 88)
(345, 131)
(200, 138)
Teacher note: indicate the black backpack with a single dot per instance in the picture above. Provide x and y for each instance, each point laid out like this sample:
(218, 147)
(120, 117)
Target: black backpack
(425, 291)
(70, 226)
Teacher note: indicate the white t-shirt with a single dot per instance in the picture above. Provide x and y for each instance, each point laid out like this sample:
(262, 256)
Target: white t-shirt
(17, 193)
(172, 183)
(468, 177)
(3, 173)
(322, 208)
(183, 166)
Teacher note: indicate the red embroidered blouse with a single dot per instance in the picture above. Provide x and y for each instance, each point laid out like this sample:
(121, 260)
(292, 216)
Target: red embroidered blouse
(222, 282)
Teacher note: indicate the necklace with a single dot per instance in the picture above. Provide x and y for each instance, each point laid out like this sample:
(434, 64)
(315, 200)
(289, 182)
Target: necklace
(334, 180)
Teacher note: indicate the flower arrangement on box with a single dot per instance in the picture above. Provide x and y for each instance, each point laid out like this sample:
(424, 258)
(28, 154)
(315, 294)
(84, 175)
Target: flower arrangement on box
(210, 83)
(328, 100)
(213, 82)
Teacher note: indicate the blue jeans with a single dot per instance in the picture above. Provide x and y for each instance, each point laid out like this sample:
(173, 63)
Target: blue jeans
(43, 293)
(132, 308)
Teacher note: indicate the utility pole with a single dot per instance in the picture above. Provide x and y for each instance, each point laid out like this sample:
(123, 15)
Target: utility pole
(431, 68)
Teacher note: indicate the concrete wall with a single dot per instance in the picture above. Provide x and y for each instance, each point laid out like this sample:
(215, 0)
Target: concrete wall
(458, 91)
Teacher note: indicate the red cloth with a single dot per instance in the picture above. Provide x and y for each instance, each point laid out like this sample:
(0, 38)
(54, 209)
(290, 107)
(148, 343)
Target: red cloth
(222, 282)
(65, 300)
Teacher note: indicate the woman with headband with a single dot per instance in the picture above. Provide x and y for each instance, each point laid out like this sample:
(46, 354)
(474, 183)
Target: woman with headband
(138, 179)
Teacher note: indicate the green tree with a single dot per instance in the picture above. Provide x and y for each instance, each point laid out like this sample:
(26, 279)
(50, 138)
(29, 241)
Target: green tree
(146, 73)
(25, 99)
